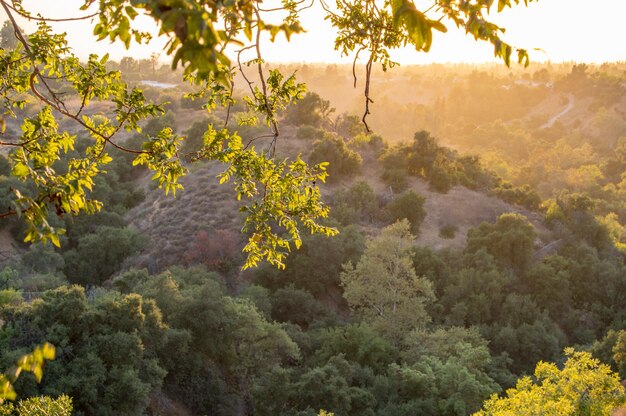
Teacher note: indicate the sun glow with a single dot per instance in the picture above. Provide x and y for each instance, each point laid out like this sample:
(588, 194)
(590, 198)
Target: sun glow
(561, 30)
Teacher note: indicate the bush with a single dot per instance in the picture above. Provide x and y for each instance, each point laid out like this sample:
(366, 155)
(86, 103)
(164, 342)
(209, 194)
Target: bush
(172, 103)
(448, 231)
(524, 195)
(188, 103)
(349, 126)
(40, 282)
(10, 297)
(364, 141)
(155, 125)
(296, 306)
(440, 179)
(100, 255)
(510, 241)
(39, 406)
(219, 251)
(10, 278)
(109, 348)
(396, 179)
(308, 133)
(408, 205)
(311, 110)
(5, 166)
(358, 203)
(317, 265)
(42, 258)
(342, 161)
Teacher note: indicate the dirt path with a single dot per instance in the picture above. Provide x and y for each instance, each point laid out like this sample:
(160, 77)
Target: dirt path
(567, 109)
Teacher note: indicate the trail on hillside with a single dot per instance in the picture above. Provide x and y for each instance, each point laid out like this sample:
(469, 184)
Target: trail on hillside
(567, 109)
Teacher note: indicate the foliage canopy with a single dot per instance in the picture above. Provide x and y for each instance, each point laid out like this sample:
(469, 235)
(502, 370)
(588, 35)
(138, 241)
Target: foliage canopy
(583, 386)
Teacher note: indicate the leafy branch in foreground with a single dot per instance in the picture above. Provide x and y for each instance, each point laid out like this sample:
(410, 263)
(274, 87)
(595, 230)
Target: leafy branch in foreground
(288, 195)
(32, 362)
(41, 70)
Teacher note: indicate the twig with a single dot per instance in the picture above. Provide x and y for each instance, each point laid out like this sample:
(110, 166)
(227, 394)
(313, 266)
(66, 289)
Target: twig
(40, 18)
(56, 103)
(368, 100)
(354, 64)
(8, 213)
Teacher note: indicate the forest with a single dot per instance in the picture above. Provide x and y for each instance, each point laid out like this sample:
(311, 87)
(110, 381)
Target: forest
(462, 252)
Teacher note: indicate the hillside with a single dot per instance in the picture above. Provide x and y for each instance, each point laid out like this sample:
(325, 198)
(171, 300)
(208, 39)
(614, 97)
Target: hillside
(171, 223)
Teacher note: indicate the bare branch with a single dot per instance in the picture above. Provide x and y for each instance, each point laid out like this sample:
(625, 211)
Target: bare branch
(40, 18)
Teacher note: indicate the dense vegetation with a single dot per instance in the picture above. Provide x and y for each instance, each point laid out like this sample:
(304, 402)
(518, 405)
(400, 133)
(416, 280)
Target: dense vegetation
(150, 313)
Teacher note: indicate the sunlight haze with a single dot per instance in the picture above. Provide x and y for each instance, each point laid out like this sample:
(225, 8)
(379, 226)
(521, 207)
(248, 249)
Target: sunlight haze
(564, 30)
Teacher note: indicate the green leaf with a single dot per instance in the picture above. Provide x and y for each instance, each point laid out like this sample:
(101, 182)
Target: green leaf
(437, 25)
(54, 238)
(20, 170)
(131, 12)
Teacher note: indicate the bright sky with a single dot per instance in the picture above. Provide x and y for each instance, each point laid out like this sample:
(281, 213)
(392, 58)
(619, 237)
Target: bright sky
(567, 30)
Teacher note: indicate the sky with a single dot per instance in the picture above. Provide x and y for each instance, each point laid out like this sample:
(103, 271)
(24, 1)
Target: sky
(564, 30)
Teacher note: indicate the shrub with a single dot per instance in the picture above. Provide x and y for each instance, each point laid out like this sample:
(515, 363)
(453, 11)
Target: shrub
(358, 203)
(100, 255)
(155, 125)
(524, 195)
(219, 251)
(440, 179)
(448, 231)
(349, 126)
(510, 240)
(5, 166)
(297, 306)
(308, 133)
(39, 406)
(396, 179)
(310, 110)
(10, 297)
(342, 161)
(408, 205)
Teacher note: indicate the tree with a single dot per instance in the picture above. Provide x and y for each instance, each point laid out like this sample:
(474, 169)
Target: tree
(39, 406)
(359, 344)
(107, 349)
(328, 386)
(342, 161)
(410, 206)
(612, 350)
(8, 40)
(99, 255)
(220, 344)
(434, 387)
(510, 241)
(383, 288)
(5, 166)
(316, 267)
(583, 387)
(311, 110)
(282, 195)
(355, 204)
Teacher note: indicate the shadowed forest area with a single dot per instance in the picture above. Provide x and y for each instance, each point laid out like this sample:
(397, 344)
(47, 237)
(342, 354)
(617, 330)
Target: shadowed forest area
(482, 236)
